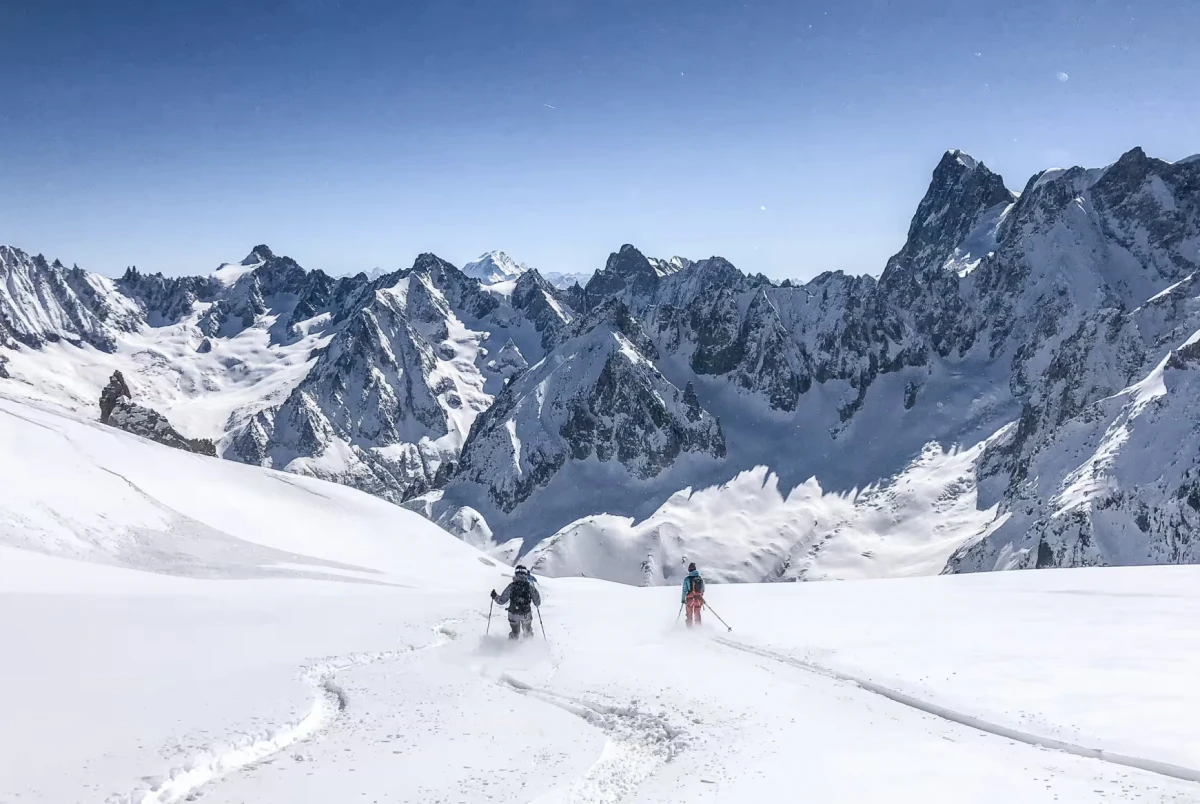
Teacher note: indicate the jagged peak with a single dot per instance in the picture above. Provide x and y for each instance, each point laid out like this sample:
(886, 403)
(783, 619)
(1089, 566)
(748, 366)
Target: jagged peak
(628, 261)
(1136, 153)
(259, 253)
(961, 190)
(430, 263)
(963, 158)
(531, 279)
(956, 165)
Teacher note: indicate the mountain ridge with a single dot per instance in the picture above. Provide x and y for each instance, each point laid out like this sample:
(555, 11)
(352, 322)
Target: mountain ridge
(1002, 320)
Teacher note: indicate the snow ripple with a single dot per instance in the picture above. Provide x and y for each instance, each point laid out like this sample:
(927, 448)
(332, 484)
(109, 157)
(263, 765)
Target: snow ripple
(970, 721)
(329, 701)
(638, 744)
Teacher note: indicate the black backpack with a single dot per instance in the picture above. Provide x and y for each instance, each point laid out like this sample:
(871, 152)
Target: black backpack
(696, 587)
(521, 599)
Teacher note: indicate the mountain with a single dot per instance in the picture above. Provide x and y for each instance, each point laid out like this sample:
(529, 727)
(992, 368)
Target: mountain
(493, 267)
(372, 383)
(42, 303)
(991, 401)
(564, 281)
(999, 324)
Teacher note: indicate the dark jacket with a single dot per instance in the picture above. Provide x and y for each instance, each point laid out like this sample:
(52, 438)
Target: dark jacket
(534, 595)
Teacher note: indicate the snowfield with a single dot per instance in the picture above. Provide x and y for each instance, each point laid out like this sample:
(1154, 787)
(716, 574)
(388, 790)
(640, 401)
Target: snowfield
(180, 628)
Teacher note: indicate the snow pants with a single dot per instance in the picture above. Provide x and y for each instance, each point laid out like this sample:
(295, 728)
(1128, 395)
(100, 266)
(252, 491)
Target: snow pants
(694, 603)
(520, 623)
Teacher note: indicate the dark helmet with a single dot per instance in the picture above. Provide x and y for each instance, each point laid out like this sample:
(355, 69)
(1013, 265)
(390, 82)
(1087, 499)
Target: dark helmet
(521, 570)
(692, 567)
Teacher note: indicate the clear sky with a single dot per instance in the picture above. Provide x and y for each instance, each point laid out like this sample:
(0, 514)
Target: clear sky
(790, 137)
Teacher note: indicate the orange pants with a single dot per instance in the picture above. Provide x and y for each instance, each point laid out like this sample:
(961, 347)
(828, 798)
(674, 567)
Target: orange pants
(694, 603)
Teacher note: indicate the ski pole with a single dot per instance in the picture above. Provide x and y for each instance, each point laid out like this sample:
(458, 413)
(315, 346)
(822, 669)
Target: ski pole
(542, 624)
(718, 616)
(678, 613)
(489, 625)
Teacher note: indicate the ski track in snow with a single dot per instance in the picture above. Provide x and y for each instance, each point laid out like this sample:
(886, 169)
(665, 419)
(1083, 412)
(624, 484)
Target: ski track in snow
(638, 744)
(329, 701)
(1150, 765)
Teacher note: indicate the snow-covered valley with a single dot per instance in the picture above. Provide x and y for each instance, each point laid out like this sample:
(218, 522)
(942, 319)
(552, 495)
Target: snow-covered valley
(185, 628)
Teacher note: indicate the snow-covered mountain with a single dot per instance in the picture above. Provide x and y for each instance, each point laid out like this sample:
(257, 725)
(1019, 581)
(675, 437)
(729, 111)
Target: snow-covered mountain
(991, 401)
(493, 267)
(373, 383)
(562, 281)
(1000, 308)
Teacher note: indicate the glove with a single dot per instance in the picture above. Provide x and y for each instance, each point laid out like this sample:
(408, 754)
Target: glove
(494, 595)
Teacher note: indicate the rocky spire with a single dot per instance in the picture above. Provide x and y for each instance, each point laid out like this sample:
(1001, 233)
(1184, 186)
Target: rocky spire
(116, 389)
(961, 191)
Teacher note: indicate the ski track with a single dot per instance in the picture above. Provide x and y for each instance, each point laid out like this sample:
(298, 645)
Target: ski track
(638, 744)
(1150, 765)
(329, 701)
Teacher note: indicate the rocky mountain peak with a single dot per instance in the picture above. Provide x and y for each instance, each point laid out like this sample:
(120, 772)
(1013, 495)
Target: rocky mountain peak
(962, 194)
(530, 282)
(627, 269)
(961, 190)
(259, 253)
(629, 263)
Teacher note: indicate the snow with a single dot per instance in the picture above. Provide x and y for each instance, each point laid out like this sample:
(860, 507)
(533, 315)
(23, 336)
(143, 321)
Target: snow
(203, 394)
(176, 682)
(502, 289)
(748, 529)
(493, 267)
(229, 273)
(81, 490)
(1047, 176)
(980, 243)
(1162, 294)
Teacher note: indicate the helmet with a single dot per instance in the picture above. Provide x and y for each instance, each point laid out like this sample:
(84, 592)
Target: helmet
(692, 567)
(521, 570)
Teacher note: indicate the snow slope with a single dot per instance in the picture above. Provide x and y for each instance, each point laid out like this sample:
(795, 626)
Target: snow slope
(290, 640)
(82, 490)
(493, 267)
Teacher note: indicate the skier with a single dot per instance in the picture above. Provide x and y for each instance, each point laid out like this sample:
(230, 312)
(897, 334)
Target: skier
(693, 594)
(520, 595)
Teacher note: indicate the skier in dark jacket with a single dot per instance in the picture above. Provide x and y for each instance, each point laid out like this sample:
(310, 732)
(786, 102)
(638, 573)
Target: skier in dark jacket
(521, 596)
(693, 594)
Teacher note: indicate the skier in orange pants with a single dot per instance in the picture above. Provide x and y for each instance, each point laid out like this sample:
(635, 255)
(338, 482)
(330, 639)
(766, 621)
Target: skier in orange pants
(693, 595)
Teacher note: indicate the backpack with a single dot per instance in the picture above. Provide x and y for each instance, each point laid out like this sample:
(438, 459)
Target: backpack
(696, 586)
(521, 599)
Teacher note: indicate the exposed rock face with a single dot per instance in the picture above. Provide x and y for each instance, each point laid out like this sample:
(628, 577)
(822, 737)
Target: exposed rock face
(117, 409)
(132, 417)
(116, 390)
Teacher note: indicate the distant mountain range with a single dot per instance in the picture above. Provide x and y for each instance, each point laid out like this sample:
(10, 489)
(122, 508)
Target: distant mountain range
(1017, 389)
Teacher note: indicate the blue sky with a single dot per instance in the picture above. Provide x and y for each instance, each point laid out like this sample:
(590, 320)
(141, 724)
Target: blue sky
(787, 136)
